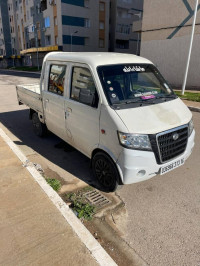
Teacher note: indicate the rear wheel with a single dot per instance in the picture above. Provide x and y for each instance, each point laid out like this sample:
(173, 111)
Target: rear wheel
(39, 128)
(105, 172)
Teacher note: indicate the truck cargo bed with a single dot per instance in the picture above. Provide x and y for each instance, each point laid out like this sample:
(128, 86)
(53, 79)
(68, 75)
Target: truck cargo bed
(30, 96)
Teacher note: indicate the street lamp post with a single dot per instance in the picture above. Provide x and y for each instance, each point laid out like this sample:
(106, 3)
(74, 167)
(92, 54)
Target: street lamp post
(139, 15)
(71, 38)
(190, 49)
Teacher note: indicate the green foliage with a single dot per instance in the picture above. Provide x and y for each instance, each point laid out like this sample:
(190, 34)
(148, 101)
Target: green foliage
(54, 183)
(80, 206)
(190, 96)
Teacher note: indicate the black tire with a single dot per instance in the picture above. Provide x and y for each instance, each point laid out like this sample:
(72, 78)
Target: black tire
(105, 172)
(39, 128)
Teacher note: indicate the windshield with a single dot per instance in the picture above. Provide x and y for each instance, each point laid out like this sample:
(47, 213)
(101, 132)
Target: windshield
(133, 83)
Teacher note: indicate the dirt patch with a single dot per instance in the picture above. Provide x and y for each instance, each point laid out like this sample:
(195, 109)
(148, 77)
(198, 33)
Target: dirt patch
(119, 250)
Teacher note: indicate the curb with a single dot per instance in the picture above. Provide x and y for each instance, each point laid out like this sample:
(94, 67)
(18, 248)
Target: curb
(194, 109)
(21, 71)
(96, 250)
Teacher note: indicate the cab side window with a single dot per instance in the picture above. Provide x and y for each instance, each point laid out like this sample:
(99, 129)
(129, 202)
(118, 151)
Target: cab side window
(57, 79)
(83, 88)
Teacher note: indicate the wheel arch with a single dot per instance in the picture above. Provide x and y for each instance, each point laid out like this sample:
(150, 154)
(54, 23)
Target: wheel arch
(113, 158)
(40, 115)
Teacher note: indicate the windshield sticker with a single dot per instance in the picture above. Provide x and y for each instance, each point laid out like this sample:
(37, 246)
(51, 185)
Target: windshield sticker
(108, 82)
(145, 93)
(114, 95)
(134, 69)
(111, 89)
(148, 97)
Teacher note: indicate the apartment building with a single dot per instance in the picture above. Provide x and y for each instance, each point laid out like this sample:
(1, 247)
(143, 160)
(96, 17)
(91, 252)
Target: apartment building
(125, 25)
(166, 33)
(33, 28)
(85, 25)
(78, 25)
(6, 28)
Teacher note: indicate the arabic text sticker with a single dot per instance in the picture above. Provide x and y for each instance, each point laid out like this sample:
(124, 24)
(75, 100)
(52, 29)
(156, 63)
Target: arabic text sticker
(114, 95)
(108, 82)
(134, 69)
(111, 89)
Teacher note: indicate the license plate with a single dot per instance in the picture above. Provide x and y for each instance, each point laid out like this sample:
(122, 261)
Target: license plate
(171, 166)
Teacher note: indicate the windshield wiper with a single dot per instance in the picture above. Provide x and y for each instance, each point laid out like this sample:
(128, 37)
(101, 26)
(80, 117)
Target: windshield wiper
(146, 101)
(173, 96)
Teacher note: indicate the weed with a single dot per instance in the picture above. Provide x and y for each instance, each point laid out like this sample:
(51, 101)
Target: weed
(80, 206)
(54, 183)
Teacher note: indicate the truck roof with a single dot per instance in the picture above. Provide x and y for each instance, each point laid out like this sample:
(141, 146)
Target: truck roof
(96, 58)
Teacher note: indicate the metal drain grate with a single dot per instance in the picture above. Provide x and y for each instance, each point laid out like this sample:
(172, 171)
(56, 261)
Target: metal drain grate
(97, 199)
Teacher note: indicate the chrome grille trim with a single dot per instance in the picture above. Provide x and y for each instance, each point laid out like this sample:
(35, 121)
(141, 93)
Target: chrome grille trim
(167, 146)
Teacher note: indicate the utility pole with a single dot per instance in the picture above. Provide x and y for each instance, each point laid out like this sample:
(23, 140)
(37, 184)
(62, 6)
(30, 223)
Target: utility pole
(71, 38)
(190, 49)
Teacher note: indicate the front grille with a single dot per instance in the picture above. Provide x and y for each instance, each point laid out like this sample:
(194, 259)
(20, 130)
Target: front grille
(168, 146)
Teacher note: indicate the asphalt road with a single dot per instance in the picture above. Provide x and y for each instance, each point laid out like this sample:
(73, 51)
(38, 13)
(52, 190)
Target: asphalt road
(162, 220)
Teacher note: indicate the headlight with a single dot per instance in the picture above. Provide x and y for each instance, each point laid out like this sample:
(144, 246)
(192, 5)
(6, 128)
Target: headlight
(190, 127)
(135, 141)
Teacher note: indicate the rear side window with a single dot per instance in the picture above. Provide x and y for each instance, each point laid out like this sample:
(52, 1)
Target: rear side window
(57, 79)
(83, 88)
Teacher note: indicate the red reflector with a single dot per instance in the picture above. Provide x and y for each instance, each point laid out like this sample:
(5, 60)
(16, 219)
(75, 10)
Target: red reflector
(103, 131)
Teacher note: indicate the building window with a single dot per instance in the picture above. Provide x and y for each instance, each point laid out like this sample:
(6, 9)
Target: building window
(38, 9)
(55, 21)
(128, 1)
(57, 79)
(121, 28)
(86, 3)
(122, 44)
(123, 13)
(101, 6)
(101, 43)
(83, 87)
(32, 11)
(48, 39)
(101, 25)
(47, 22)
(87, 23)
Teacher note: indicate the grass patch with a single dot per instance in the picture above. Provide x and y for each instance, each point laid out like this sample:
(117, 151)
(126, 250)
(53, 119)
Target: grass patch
(190, 96)
(80, 206)
(54, 183)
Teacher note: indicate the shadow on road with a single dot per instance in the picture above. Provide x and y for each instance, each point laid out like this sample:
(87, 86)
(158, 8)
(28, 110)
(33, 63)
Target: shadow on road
(52, 148)
(20, 73)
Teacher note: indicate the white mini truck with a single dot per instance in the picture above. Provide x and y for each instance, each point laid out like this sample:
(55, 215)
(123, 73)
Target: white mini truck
(116, 109)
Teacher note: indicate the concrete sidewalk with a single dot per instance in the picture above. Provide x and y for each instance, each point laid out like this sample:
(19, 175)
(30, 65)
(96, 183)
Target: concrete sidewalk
(32, 229)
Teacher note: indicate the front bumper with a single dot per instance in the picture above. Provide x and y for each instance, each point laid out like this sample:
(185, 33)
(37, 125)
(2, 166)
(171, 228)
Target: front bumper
(136, 166)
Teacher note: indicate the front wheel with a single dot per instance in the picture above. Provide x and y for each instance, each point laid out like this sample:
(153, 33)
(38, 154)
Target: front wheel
(105, 172)
(39, 128)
